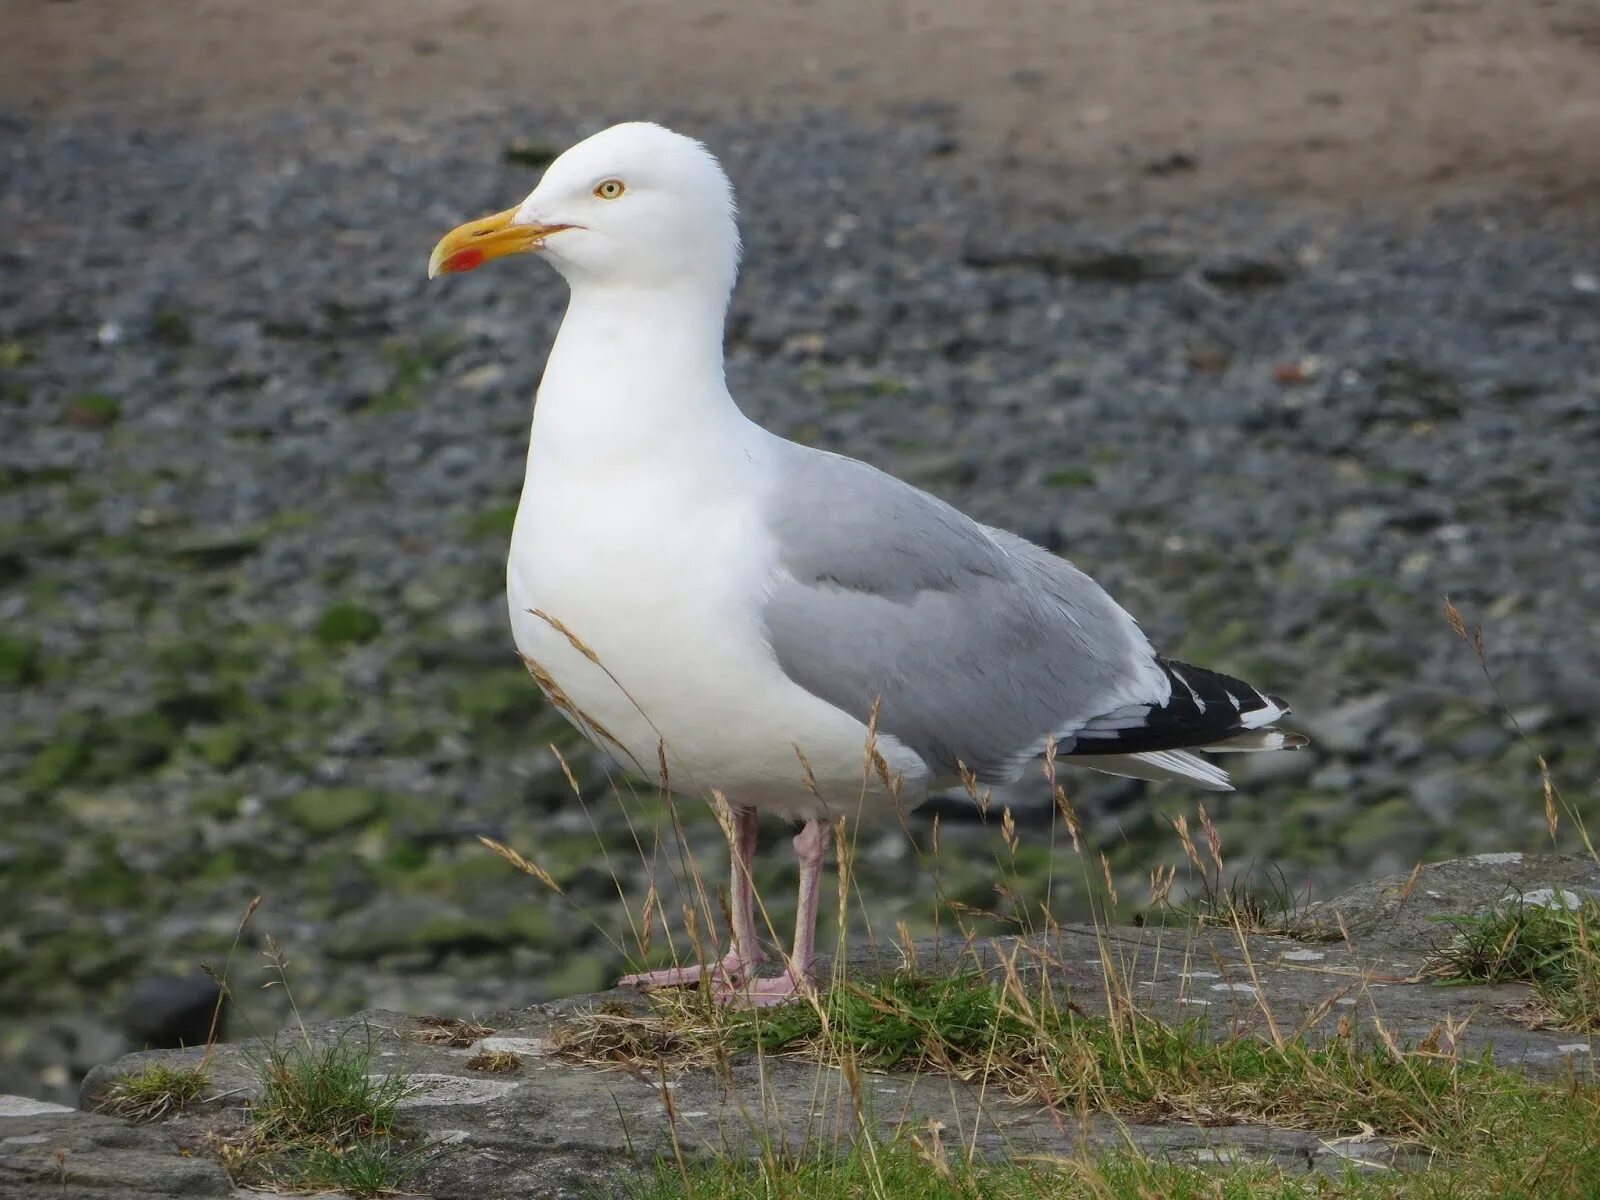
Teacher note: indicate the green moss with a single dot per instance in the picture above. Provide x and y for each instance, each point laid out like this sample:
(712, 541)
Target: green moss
(577, 975)
(214, 549)
(92, 410)
(503, 698)
(14, 477)
(493, 523)
(220, 806)
(347, 623)
(55, 765)
(311, 696)
(228, 865)
(1070, 477)
(20, 661)
(470, 873)
(403, 857)
(886, 385)
(324, 811)
(171, 328)
(528, 153)
(111, 882)
(1388, 825)
(447, 932)
(133, 744)
(224, 748)
(414, 364)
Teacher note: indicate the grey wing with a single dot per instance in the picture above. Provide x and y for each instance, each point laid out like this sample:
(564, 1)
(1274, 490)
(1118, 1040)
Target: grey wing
(977, 645)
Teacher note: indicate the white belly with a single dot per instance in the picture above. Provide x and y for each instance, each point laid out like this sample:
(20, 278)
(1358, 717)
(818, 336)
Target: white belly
(670, 608)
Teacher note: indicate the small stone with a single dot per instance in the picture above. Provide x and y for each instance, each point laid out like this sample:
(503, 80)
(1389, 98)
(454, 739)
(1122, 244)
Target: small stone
(1439, 795)
(1551, 898)
(26, 1106)
(1243, 273)
(528, 1047)
(430, 1090)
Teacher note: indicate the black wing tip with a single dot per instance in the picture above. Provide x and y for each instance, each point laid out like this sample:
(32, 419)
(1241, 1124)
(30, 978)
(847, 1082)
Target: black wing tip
(1205, 708)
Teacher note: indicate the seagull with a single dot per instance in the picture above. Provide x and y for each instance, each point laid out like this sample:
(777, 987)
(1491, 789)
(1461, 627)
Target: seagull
(775, 628)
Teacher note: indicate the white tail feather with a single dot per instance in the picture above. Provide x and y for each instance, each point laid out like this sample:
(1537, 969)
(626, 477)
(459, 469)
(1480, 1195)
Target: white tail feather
(1160, 766)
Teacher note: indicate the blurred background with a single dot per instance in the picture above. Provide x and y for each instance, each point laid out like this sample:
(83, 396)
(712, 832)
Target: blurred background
(1281, 318)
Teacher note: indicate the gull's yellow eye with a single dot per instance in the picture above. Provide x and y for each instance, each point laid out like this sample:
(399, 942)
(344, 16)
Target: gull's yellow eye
(609, 190)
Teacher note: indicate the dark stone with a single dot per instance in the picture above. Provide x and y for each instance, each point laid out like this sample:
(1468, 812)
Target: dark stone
(164, 1012)
(1242, 273)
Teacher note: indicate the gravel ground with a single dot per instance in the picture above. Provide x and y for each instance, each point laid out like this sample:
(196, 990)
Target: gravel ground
(257, 476)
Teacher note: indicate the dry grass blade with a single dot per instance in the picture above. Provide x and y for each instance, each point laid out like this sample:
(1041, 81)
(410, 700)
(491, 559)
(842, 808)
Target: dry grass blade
(451, 1031)
(522, 864)
(573, 639)
(495, 1062)
(724, 815)
(638, 1043)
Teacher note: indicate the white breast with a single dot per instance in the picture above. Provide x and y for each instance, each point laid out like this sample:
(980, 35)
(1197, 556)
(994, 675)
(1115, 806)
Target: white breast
(661, 577)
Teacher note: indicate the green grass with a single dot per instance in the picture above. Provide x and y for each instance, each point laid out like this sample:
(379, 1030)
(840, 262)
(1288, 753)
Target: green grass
(153, 1092)
(1035, 1046)
(1022, 1041)
(924, 1168)
(1555, 947)
(323, 1120)
(1261, 900)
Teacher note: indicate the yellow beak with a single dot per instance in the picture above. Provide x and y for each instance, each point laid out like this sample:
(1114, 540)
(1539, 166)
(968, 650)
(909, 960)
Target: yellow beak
(475, 243)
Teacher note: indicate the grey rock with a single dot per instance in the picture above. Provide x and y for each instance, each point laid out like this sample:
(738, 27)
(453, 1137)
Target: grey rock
(1351, 728)
(1403, 914)
(81, 1156)
(1439, 795)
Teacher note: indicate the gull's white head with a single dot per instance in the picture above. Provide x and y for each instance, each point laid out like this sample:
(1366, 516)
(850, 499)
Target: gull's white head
(636, 205)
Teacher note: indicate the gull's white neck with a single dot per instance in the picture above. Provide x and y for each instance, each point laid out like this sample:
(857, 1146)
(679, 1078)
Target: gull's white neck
(636, 374)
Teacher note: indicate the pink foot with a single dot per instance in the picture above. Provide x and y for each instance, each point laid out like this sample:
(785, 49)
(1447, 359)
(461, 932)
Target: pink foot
(727, 972)
(764, 993)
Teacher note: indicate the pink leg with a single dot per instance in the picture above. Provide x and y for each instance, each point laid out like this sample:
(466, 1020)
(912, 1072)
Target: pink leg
(745, 954)
(810, 847)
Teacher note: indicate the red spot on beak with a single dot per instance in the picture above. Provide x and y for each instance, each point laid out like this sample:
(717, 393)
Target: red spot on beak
(463, 260)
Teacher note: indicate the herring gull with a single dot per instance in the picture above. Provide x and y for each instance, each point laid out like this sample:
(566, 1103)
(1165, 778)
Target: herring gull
(784, 630)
